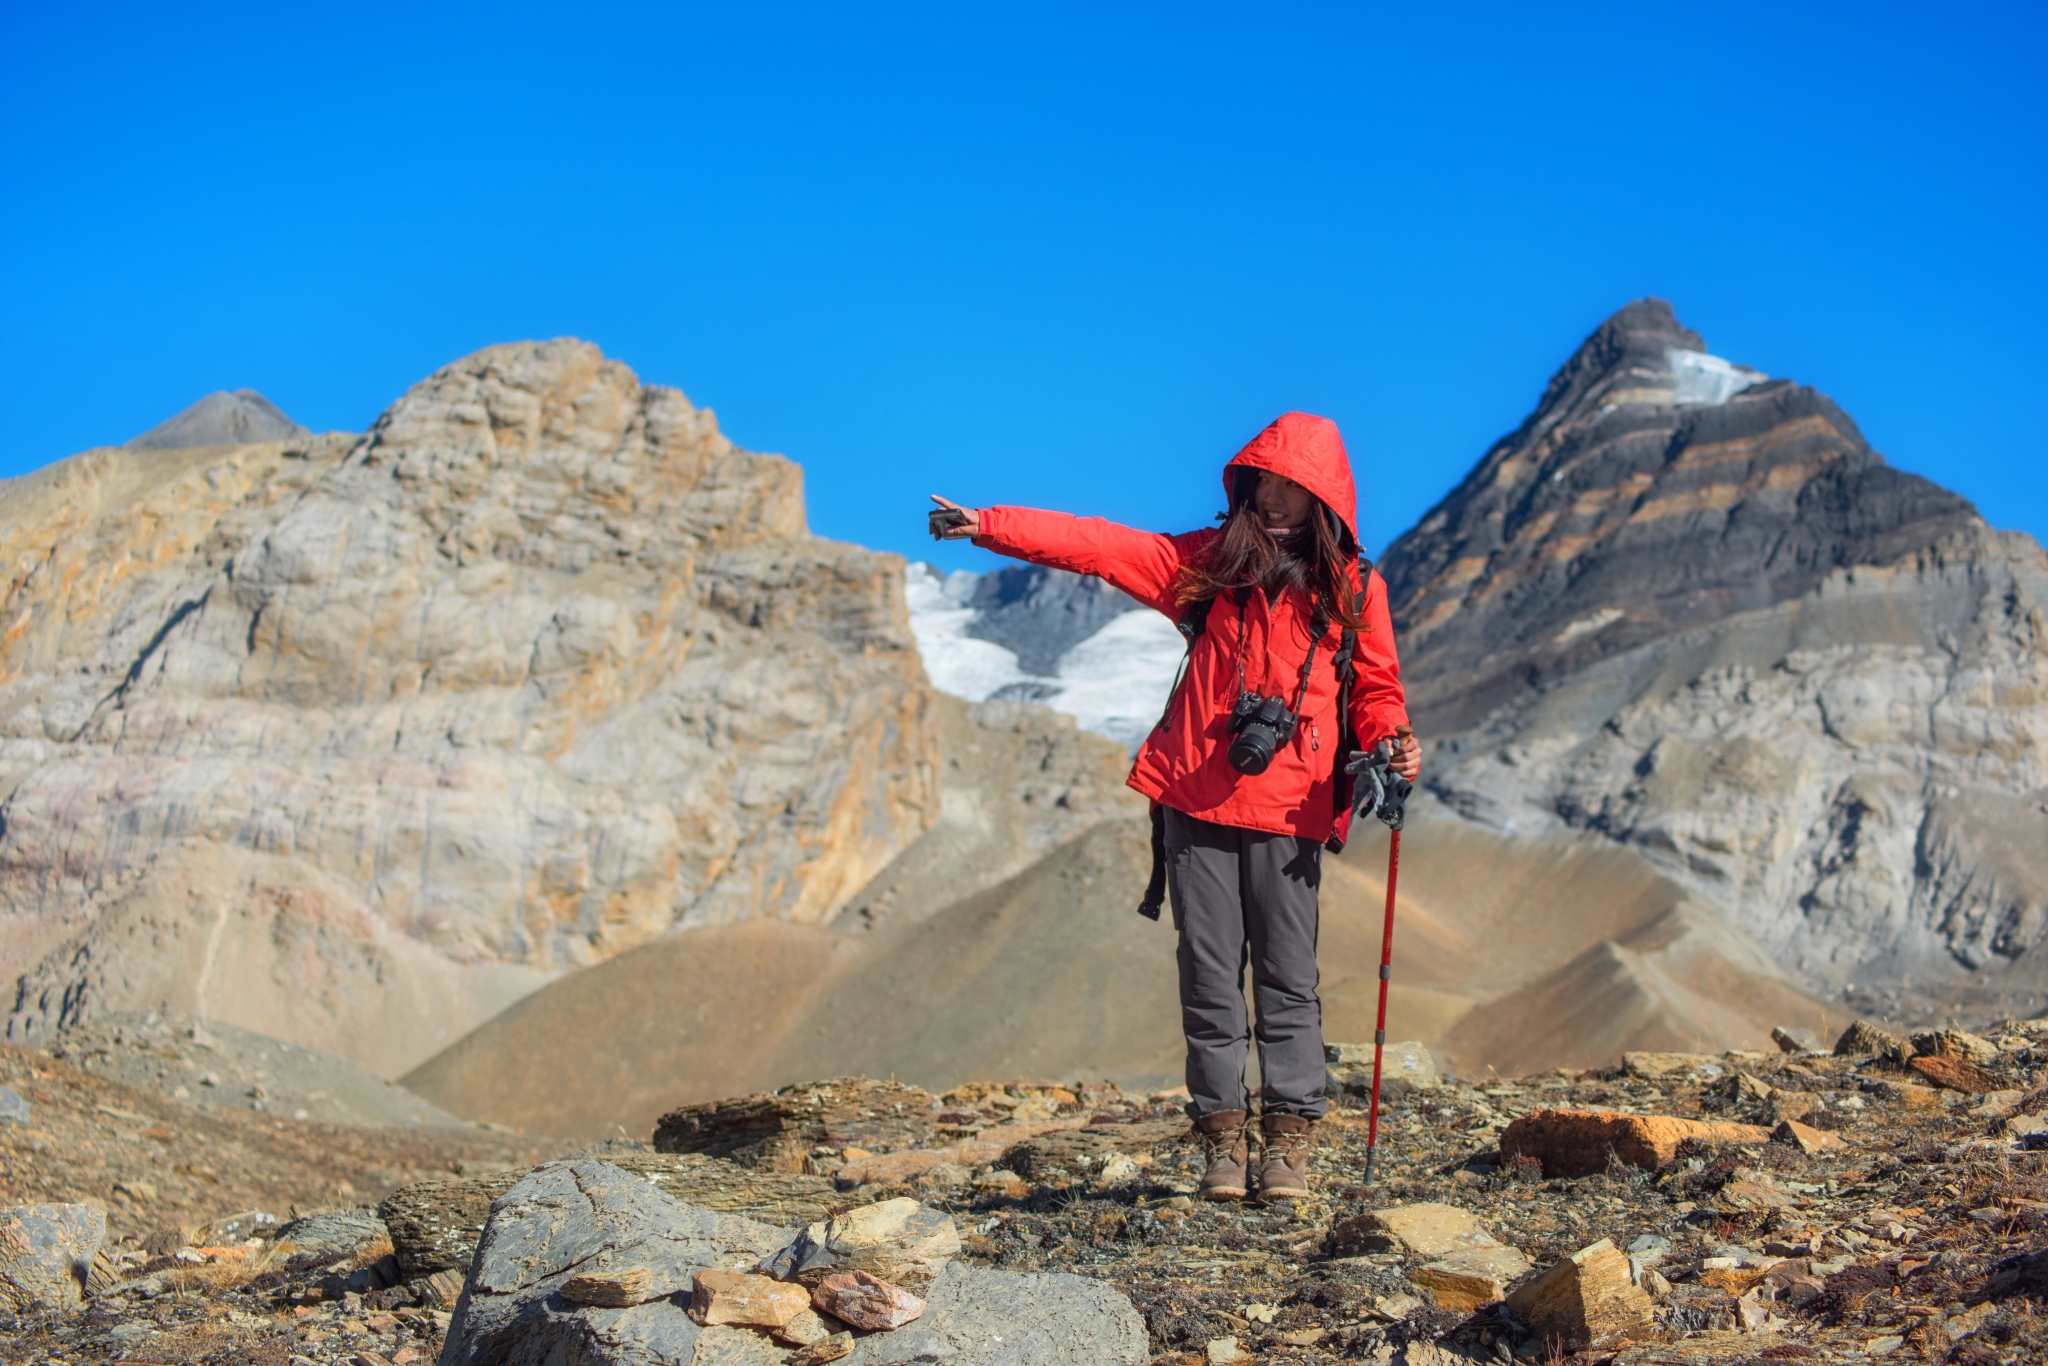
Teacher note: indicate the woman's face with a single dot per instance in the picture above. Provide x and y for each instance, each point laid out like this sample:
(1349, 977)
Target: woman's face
(1281, 503)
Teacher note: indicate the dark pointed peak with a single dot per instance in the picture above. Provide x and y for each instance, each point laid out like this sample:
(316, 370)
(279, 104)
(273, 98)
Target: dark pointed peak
(241, 418)
(1641, 354)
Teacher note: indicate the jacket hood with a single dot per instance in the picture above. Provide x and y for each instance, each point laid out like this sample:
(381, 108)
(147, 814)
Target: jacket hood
(1306, 449)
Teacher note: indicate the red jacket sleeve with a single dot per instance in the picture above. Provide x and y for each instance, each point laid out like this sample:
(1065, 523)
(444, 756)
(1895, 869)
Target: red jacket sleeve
(1378, 703)
(1141, 563)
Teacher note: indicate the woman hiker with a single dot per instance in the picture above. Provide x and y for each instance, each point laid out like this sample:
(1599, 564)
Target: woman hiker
(1246, 767)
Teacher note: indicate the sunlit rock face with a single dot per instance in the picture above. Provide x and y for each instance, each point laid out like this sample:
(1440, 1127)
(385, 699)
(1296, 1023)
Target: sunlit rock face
(1689, 608)
(355, 740)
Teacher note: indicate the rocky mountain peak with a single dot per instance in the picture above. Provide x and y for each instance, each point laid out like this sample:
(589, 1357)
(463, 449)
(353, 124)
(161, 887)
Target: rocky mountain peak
(241, 418)
(1654, 488)
(1688, 609)
(355, 740)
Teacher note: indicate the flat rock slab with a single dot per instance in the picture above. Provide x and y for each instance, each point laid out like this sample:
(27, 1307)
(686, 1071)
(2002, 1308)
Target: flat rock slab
(1650, 1065)
(336, 1231)
(1579, 1142)
(567, 1219)
(1443, 1233)
(1957, 1074)
(982, 1317)
(776, 1130)
(1079, 1154)
(435, 1225)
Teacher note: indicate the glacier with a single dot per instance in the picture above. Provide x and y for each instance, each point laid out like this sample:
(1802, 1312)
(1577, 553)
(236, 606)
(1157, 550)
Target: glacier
(1114, 682)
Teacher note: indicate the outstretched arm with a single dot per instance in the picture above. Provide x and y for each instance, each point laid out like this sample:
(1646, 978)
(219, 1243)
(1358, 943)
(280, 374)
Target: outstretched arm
(1141, 563)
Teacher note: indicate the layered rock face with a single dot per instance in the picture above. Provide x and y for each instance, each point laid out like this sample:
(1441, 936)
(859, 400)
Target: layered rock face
(354, 741)
(1689, 609)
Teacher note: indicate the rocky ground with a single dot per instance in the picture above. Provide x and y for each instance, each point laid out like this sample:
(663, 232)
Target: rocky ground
(1916, 1226)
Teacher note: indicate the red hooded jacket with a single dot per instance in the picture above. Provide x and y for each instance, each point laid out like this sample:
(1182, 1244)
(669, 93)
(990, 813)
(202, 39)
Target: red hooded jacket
(1184, 763)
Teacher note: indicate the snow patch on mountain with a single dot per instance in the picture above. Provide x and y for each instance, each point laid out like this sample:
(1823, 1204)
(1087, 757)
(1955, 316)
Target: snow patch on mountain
(1708, 379)
(1114, 682)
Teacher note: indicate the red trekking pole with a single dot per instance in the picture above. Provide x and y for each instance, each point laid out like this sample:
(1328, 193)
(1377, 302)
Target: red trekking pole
(1389, 808)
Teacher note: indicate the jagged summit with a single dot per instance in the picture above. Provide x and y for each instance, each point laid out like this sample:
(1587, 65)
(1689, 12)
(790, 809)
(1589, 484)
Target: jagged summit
(1655, 487)
(241, 418)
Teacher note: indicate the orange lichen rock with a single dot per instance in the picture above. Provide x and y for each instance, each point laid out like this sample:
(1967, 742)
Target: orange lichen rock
(1578, 1142)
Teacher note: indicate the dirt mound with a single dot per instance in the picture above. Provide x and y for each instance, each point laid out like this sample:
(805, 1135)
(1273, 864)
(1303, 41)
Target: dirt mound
(943, 971)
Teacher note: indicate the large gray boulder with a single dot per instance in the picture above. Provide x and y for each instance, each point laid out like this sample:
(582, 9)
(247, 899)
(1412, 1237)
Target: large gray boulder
(571, 1218)
(568, 1218)
(46, 1255)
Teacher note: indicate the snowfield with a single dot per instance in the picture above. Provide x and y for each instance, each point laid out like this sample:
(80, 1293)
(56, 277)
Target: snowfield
(1113, 683)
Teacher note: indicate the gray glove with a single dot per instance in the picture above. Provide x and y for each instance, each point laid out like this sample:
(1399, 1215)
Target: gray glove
(1378, 790)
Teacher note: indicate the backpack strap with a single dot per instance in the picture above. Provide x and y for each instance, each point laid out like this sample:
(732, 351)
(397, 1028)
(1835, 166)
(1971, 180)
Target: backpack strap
(1155, 886)
(1341, 782)
(1192, 623)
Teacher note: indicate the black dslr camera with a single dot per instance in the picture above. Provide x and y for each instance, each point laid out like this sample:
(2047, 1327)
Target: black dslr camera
(1261, 725)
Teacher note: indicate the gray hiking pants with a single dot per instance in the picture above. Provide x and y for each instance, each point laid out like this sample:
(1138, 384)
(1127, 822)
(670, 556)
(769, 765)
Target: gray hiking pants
(1244, 896)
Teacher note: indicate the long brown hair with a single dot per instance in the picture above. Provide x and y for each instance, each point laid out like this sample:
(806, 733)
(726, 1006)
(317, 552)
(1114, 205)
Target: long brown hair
(1246, 553)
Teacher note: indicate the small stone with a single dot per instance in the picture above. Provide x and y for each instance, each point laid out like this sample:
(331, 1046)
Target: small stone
(825, 1349)
(865, 1302)
(619, 1289)
(1996, 1104)
(897, 1240)
(1394, 1308)
(1955, 1043)
(1654, 1285)
(1806, 1138)
(742, 1300)
(1883, 1346)
(1786, 1105)
(807, 1329)
(1648, 1066)
(1750, 1088)
(1458, 1287)
(13, 1109)
(1404, 1068)
(1584, 1301)
(1864, 1039)
(1650, 1249)
(1750, 1313)
(1751, 1194)
(1793, 1040)
(1223, 1350)
(1956, 1074)
(1910, 1094)
(443, 1288)
(1574, 1143)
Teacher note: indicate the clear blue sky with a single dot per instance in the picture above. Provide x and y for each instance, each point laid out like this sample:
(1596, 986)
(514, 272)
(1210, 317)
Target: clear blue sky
(1070, 257)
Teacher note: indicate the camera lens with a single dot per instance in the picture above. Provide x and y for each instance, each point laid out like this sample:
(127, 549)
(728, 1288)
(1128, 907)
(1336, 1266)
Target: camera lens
(1253, 748)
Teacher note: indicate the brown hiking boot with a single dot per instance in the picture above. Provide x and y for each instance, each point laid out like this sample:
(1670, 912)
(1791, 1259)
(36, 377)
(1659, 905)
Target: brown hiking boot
(1224, 1142)
(1285, 1142)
